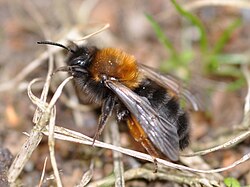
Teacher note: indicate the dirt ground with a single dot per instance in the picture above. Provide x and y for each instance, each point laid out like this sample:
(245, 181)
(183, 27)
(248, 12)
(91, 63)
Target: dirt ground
(213, 65)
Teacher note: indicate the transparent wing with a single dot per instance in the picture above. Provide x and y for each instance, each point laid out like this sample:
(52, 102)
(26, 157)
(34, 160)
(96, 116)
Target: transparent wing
(169, 82)
(160, 131)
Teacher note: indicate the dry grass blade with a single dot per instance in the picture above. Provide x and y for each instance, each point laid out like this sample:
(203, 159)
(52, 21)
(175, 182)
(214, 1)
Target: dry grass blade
(72, 136)
(31, 143)
(142, 173)
(35, 136)
(43, 172)
(24, 154)
(106, 26)
(225, 145)
(58, 92)
(87, 176)
(51, 143)
(35, 100)
(117, 156)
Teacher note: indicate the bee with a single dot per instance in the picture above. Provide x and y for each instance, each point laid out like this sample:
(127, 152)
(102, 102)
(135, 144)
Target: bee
(145, 99)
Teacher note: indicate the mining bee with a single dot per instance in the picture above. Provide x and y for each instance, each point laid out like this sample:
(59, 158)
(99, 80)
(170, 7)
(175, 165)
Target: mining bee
(142, 97)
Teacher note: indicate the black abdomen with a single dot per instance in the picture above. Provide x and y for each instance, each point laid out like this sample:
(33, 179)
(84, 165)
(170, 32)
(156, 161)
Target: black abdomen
(167, 107)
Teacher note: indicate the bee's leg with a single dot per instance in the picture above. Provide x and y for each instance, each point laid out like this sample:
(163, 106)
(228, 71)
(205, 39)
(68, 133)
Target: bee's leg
(140, 136)
(107, 108)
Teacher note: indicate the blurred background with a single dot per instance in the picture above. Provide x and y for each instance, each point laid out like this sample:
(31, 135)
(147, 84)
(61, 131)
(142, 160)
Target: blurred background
(205, 44)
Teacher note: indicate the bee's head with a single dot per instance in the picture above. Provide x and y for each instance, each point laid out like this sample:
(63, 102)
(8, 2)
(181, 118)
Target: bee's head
(81, 57)
(78, 60)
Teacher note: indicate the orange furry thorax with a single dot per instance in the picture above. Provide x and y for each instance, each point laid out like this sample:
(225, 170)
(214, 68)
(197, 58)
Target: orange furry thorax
(116, 64)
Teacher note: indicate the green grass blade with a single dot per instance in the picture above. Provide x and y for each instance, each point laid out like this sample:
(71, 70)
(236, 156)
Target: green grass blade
(161, 35)
(195, 21)
(225, 36)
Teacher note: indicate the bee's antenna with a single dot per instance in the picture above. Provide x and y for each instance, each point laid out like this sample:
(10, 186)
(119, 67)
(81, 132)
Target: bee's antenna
(56, 44)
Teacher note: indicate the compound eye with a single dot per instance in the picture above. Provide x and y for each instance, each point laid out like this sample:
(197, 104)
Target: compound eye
(78, 62)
